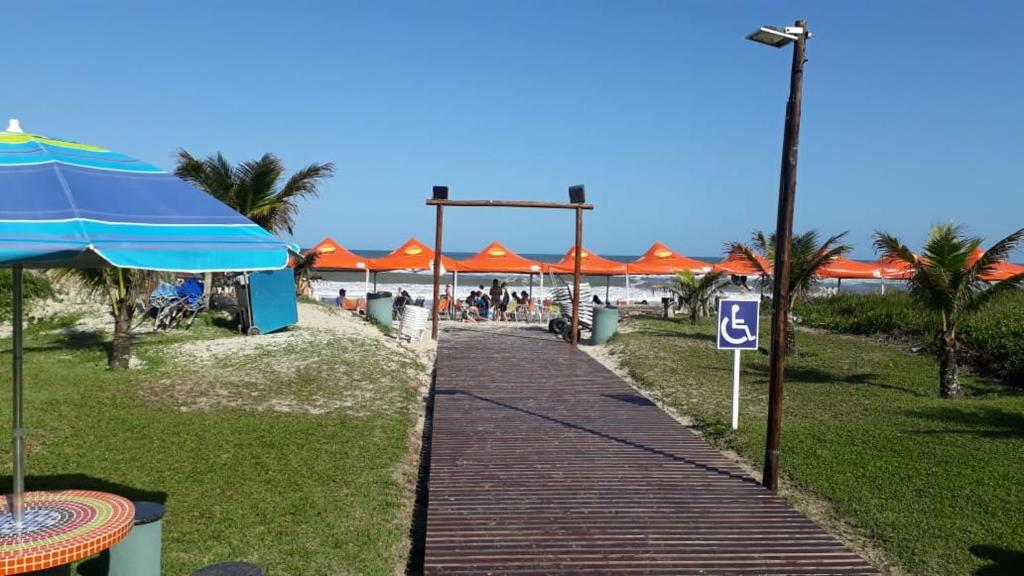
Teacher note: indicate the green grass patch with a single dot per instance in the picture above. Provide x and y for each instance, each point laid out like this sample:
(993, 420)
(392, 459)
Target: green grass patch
(289, 457)
(936, 484)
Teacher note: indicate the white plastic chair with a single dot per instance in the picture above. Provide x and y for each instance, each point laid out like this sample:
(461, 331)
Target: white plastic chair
(413, 323)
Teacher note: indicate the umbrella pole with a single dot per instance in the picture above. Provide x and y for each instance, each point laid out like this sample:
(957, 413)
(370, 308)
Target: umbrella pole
(18, 451)
(366, 283)
(627, 289)
(607, 288)
(531, 285)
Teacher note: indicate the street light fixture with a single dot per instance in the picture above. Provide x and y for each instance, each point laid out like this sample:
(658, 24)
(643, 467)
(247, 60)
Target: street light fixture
(776, 37)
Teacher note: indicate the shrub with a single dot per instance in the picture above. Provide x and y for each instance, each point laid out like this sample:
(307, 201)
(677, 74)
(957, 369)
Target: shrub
(894, 315)
(35, 287)
(992, 341)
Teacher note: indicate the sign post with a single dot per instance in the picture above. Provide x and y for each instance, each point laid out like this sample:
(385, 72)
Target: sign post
(737, 331)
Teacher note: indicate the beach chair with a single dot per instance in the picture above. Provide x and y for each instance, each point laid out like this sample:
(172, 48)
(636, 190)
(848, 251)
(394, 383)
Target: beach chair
(413, 323)
(533, 312)
(183, 306)
(160, 298)
(190, 292)
(510, 311)
(562, 325)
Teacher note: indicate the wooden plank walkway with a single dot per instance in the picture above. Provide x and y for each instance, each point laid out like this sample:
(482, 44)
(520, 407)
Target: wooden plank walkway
(542, 461)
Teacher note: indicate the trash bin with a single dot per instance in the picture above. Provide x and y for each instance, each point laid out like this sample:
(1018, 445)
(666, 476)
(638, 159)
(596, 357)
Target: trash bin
(378, 307)
(139, 553)
(230, 569)
(606, 323)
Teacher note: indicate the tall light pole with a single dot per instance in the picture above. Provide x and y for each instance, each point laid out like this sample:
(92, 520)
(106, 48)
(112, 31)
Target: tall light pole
(779, 37)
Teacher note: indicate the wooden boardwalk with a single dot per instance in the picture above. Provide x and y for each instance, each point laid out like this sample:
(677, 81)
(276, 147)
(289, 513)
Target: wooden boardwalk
(544, 462)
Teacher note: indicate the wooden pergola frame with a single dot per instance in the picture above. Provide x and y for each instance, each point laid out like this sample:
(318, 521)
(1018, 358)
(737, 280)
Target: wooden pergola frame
(440, 203)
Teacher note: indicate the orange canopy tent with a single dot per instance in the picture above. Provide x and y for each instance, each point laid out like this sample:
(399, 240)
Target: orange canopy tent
(590, 264)
(1001, 270)
(413, 255)
(497, 258)
(840, 267)
(333, 256)
(736, 263)
(893, 268)
(660, 259)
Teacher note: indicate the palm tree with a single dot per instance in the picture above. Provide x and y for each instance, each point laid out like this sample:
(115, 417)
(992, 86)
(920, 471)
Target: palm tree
(303, 265)
(945, 280)
(254, 189)
(807, 256)
(120, 288)
(697, 293)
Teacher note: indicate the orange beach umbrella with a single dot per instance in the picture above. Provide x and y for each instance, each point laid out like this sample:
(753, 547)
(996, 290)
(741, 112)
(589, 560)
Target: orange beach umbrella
(736, 263)
(333, 256)
(413, 255)
(893, 268)
(1001, 270)
(497, 258)
(590, 264)
(660, 259)
(840, 267)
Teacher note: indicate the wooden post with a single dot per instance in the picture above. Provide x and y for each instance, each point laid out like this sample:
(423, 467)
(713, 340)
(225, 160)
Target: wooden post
(576, 278)
(578, 204)
(784, 237)
(436, 314)
(18, 393)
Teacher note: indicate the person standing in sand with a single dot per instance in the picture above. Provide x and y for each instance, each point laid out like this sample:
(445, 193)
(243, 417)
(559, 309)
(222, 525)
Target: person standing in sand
(495, 292)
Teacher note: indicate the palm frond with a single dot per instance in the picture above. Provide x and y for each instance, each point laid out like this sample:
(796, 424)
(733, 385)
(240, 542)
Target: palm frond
(889, 246)
(986, 295)
(757, 261)
(764, 244)
(213, 174)
(998, 252)
(306, 181)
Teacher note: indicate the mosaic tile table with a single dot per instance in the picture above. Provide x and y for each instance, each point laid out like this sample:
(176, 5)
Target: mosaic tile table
(61, 527)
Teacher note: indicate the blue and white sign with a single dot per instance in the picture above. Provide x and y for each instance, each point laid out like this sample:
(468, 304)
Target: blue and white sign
(737, 323)
(737, 330)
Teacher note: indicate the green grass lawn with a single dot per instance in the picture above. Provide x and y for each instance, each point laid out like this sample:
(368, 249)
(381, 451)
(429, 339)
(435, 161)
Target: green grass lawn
(295, 459)
(938, 485)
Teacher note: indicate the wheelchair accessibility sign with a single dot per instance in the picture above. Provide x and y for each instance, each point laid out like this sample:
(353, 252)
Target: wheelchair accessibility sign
(737, 323)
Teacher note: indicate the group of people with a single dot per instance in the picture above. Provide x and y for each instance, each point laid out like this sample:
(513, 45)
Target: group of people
(492, 304)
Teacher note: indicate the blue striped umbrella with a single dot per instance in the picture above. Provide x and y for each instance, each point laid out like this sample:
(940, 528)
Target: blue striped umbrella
(65, 204)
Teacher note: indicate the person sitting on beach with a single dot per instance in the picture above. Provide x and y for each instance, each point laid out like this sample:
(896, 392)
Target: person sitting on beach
(341, 298)
(470, 312)
(483, 304)
(597, 300)
(524, 298)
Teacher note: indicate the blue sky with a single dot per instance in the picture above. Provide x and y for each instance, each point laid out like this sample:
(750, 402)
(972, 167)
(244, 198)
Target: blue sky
(912, 110)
